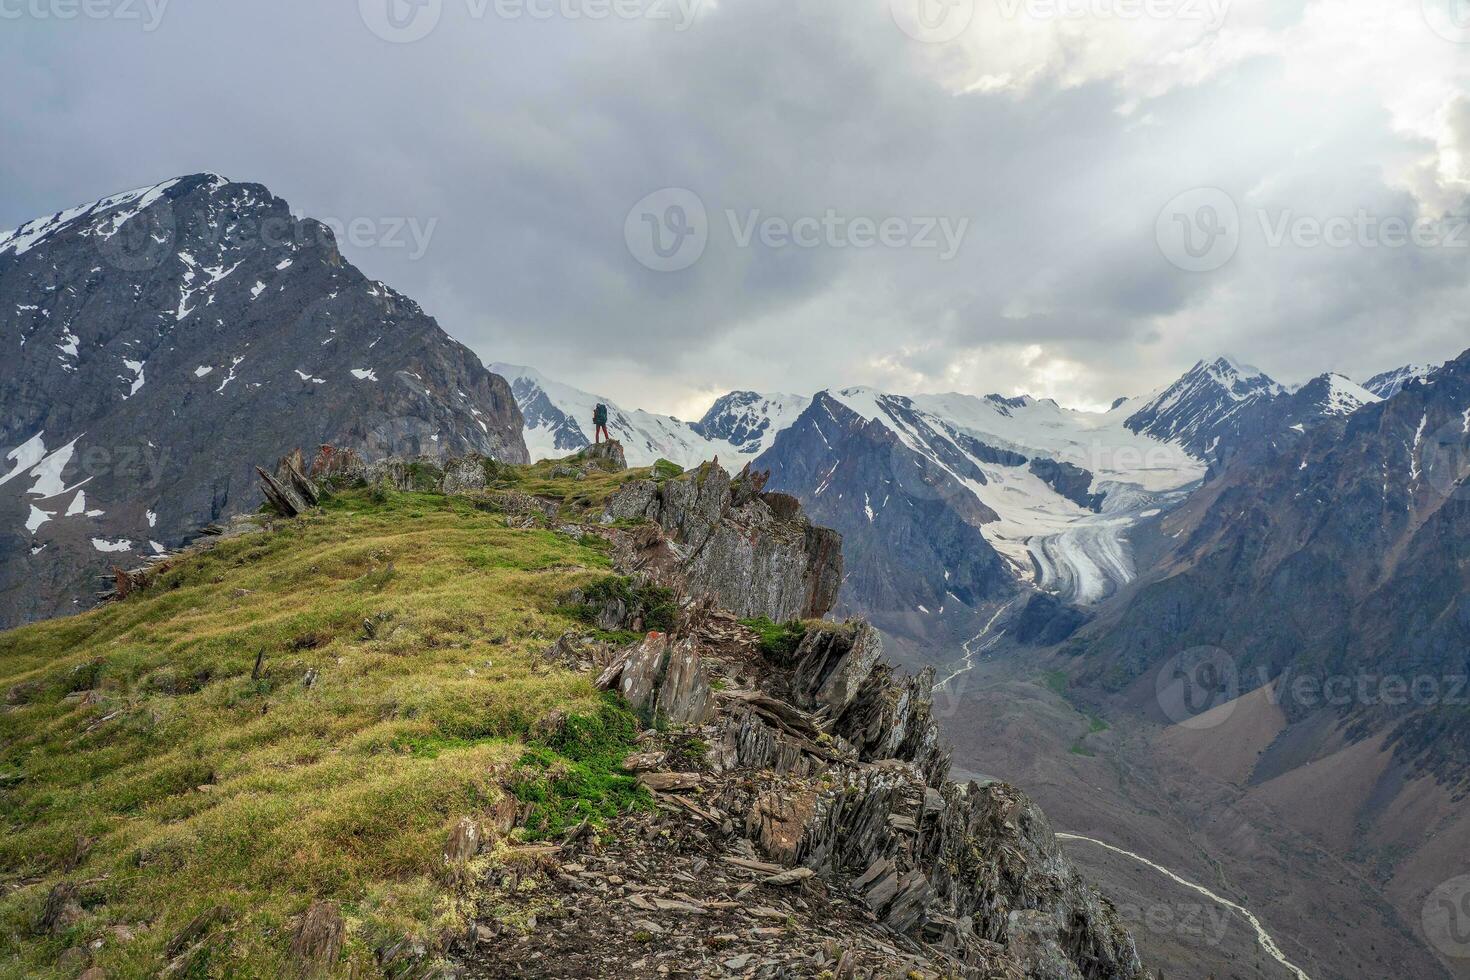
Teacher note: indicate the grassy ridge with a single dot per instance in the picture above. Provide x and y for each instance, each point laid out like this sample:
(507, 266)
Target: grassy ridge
(141, 759)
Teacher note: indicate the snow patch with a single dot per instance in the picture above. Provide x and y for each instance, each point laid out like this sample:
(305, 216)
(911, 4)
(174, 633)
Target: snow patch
(365, 374)
(137, 380)
(103, 545)
(1414, 470)
(37, 518)
(234, 363)
(26, 455)
(48, 473)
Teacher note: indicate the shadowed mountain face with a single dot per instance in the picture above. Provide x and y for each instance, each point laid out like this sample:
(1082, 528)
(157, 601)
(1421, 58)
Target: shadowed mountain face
(161, 342)
(1337, 553)
(912, 531)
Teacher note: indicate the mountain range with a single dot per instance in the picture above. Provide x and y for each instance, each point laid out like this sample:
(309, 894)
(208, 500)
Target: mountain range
(958, 509)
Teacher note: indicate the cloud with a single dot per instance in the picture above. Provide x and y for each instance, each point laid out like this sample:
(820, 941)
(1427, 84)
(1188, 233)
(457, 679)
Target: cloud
(1058, 139)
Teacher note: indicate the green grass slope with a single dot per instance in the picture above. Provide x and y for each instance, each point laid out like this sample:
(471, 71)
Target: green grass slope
(145, 759)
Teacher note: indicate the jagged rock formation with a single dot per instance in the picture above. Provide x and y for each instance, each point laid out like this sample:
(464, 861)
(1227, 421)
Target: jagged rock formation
(835, 763)
(164, 339)
(755, 553)
(1069, 480)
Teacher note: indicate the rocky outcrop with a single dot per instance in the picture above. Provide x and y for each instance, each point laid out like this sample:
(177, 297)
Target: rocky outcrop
(605, 455)
(755, 554)
(1069, 480)
(663, 680)
(834, 763)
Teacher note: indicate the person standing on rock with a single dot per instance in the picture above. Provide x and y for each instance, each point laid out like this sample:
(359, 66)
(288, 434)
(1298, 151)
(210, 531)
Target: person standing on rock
(599, 420)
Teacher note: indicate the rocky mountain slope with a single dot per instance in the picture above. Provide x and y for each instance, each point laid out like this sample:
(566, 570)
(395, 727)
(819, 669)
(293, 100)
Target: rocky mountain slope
(1389, 383)
(1333, 553)
(1206, 407)
(161, 340)
(407, 769)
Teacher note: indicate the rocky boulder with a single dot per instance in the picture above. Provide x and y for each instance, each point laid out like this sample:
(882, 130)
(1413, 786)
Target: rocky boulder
(663, 681)
(727, 541)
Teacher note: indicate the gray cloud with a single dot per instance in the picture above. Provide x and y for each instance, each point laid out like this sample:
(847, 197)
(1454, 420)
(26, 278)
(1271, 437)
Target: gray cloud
(528, 142)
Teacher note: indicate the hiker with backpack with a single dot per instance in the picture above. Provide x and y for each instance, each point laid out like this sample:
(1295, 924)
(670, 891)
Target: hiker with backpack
(599, 419)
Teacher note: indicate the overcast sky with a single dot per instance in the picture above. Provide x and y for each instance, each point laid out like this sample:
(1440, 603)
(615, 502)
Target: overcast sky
(972, 195)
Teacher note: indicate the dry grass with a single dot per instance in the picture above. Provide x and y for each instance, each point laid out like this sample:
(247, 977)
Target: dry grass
(139, 729)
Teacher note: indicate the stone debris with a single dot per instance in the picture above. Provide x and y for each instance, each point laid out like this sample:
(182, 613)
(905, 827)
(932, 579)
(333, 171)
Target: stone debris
(817, 834)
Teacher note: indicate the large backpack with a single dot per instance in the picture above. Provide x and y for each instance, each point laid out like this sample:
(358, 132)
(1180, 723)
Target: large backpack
(599, 415)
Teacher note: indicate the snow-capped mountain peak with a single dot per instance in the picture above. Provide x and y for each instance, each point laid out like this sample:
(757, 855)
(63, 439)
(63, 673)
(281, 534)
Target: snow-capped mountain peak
(750, 420)
(1390, 383)
(1198, 410)
(1345, 396)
